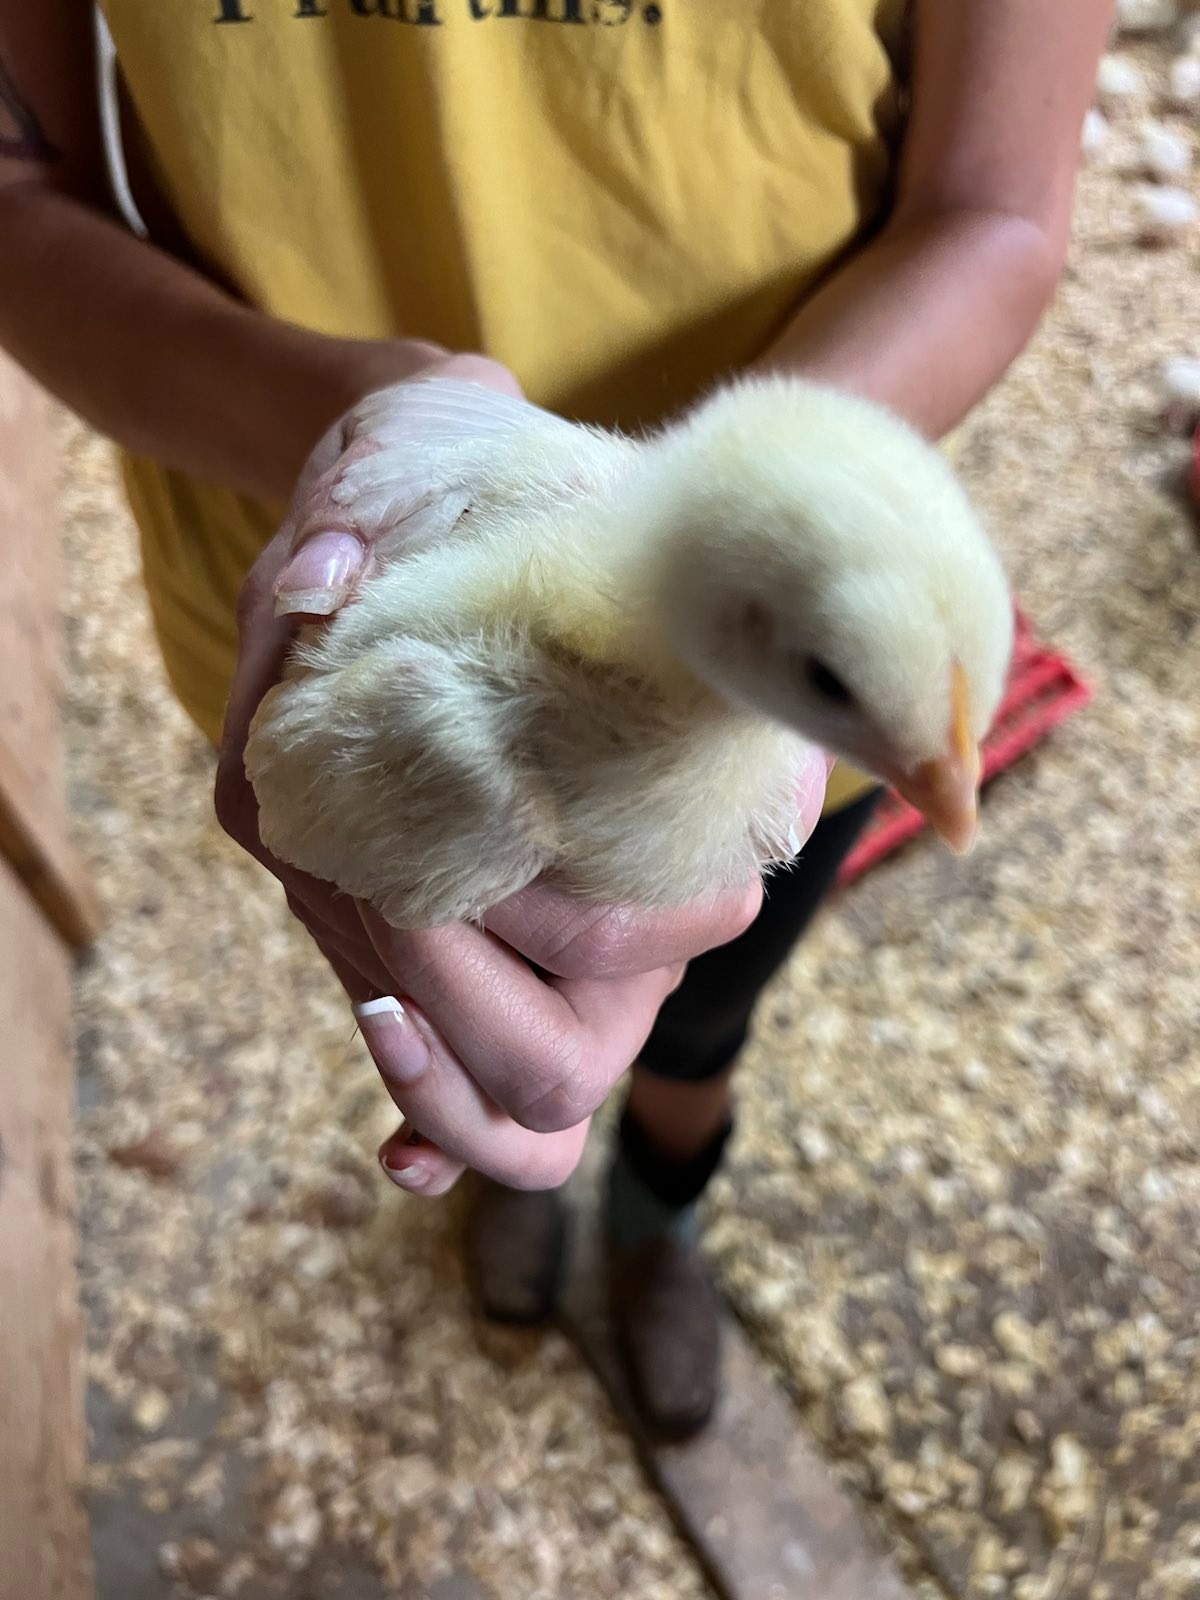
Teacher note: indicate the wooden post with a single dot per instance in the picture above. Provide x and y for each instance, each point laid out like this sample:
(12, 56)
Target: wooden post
(45, 908)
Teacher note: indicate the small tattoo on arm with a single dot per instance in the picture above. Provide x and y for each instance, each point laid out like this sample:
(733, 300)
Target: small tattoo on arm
(21, 136)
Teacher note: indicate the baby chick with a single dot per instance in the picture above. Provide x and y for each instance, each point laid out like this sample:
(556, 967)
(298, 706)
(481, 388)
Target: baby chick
(613, 665)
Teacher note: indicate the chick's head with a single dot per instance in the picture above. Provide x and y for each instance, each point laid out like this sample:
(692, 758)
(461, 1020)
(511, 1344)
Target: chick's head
(819, 562)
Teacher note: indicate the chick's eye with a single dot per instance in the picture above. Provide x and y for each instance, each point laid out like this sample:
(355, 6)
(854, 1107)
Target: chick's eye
(826, 683)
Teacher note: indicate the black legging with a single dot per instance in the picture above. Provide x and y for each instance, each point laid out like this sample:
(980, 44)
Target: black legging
(703, 1025)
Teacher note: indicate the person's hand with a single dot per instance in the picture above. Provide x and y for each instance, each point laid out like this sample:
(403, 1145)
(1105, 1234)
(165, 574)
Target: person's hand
(497, 1064)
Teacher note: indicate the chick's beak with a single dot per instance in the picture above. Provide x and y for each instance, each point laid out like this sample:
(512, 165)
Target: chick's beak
(946, 790)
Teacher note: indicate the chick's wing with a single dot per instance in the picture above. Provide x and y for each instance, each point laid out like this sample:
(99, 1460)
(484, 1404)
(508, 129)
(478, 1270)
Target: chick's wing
(422, 453)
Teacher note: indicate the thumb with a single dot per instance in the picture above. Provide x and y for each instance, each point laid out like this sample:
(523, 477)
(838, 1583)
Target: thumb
(318, 576)
(327, 544)
(397, 478)
(811, 781)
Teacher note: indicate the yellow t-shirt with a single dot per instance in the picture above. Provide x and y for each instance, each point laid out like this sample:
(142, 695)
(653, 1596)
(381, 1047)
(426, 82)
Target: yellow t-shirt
(619, 199)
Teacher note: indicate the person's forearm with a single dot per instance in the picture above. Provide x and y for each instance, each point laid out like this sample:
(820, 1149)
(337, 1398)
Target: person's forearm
(928, 317)
(160, 359)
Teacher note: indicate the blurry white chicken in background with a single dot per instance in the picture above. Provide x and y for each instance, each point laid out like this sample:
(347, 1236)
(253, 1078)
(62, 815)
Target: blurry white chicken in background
(603, 657)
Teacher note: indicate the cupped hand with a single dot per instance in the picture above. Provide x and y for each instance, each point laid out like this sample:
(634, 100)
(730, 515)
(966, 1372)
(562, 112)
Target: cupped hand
(495, 1042)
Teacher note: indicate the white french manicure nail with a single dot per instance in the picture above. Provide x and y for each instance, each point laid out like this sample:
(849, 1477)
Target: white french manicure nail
(795, 843)
(386, 1005)
(414, 1179)
(399, 1051)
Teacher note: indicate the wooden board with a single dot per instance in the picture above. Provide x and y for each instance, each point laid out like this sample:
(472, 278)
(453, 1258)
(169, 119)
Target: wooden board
(30, 681)
(42, 858)
(43, 1526)
(33, 831)
(44, 906)
(751, 1495)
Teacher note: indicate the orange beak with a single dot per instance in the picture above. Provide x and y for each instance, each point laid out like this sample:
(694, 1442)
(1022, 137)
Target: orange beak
(946, 790)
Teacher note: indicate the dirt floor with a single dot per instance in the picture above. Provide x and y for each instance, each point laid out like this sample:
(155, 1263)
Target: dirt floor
(961, 1217)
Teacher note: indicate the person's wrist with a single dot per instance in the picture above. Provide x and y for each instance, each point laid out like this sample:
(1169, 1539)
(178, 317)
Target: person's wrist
(314, 379)
(359, 367)
(365, 366)
(346, 371)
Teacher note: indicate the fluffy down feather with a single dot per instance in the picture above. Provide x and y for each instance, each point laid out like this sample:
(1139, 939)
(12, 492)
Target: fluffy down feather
(608, 659)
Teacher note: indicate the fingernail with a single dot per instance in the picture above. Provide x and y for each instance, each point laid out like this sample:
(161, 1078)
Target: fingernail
(318, 577)
(394, 1159)
(414, 1179)
(795, 844)
(400, 1052)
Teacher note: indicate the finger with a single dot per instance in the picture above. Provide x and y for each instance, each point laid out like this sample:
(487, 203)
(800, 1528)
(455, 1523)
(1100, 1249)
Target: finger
(261, 656)
(318, 578)
(316, 902)
(355, 961)
(383, 478)
(325, 911)
(545, 1053)
(435, 1093)
(811, 783)
(328, 540)
(415, 1164)
(565, 936)
(410, 1160)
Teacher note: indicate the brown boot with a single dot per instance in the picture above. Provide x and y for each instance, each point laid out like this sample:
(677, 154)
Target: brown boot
(665, 1319)
(516, 1252)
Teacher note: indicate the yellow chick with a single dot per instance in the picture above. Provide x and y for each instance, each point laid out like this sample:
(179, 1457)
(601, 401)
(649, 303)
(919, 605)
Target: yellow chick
(608, 658)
